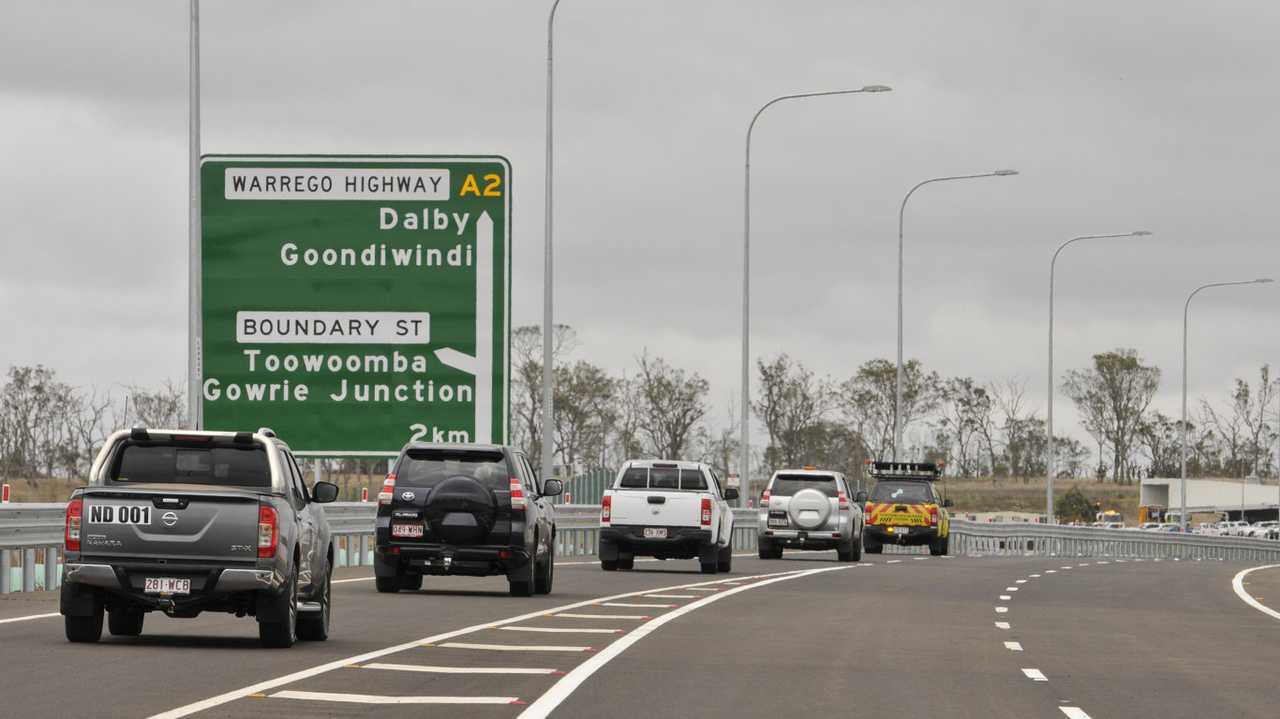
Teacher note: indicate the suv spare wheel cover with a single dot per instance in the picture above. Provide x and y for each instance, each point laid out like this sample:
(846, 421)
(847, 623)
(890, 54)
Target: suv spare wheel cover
(809, 509)
(460, 510)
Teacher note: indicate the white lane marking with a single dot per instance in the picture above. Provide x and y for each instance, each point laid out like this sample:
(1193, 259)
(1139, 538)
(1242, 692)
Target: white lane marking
(1005, 598)
(602, 616)
(1034, 576)
(1011, 589)
(1035, 675)
(425, 669)
(1121, 561)
(561, 690)
(704, 589)
(1101, 563)
(1066, 567)
(893, 561)
(561, 630)
(509, 647)
(733, 583)
(1237, 583)
(1083, 564)
(1002, 625)
(635, 606)
(29, 617)
(1074, 713)
(919, 559)
(357, 579)
(1020, 581)
(1013, 646)
(1051, 571)
(378, 699)
(1002, 610)
(241, 693)
(670, 596)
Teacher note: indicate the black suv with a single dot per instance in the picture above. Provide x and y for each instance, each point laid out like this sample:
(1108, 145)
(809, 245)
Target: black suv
(470, 509)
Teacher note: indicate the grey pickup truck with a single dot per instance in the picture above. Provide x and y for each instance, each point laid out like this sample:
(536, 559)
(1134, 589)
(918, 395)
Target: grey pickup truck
(184, 522)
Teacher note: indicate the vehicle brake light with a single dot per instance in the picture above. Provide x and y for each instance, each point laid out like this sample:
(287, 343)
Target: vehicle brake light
(706, 512)
(268, 532)
(933, 515)
(844, 500)
(517, 495)
(606, 509)
(388, 490)
(866, 512)
(764, 498)
(71, 538)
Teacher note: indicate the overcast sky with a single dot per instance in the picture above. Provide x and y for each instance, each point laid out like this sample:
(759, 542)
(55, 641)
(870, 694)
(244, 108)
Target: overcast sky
(1120, 116)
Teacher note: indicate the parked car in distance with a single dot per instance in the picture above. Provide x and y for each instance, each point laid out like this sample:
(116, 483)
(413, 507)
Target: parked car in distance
(467, 509)
(810, 509)
(185, 522)
(668, 510)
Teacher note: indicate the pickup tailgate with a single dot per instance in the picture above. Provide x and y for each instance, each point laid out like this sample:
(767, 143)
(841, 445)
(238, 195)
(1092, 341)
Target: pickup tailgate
(657, 508)
(170, 522)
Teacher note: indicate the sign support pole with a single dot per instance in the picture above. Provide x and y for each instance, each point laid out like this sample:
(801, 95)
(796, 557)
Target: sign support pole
(194, 329)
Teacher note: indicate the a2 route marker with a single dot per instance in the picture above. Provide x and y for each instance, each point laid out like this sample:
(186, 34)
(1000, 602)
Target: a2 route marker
(354, 303)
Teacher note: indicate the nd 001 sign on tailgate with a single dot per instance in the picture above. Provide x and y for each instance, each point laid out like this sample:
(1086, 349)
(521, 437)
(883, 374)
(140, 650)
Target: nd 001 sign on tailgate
(355, 303)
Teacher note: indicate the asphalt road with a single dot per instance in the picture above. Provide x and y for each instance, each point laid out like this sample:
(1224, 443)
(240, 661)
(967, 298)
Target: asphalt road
(892, 636)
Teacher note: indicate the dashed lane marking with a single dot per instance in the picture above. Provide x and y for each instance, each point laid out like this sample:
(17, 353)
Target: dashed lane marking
(893, 561)
(1237, 584)
(1002, 625)
(1011, 589)
(1051, 571)
(457, 670)
(561, 630)
(1013, 646)
(1020, 581)
(1035, 675)
(1002, 610)
(509, 647)
(1005, 598)
(1074, 713)
(1034, 576)
(378, 699)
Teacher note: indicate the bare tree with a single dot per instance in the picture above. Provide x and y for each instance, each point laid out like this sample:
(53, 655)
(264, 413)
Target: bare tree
(583, 411)
(526, 381)
(673, 404)
(867, 400)
(791, 402)
(1112, 397)
(966, 410)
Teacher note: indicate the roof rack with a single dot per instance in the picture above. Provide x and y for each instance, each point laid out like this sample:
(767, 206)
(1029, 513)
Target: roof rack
(904, 470)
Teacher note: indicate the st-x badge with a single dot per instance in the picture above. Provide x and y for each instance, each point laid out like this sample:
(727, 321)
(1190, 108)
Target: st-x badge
(408, 496)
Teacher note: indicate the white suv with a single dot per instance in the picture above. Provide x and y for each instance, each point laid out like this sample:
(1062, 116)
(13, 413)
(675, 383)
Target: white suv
(810, 509)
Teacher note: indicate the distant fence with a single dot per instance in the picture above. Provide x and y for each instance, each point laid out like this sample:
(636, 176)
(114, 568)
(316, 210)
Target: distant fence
(31, 540)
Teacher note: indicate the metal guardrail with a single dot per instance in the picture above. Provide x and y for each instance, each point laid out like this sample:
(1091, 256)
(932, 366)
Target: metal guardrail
(31, 539)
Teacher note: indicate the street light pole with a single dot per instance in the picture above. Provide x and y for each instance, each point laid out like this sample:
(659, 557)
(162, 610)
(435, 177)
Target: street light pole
(548, 438)
(744, 457)
(897, 390)
(1186, 311)
(1053, 264)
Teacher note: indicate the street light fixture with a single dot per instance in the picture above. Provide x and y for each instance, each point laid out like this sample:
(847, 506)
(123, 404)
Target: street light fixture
(897, 392)
(1049, 514)
(744, 460)
(1186, 309)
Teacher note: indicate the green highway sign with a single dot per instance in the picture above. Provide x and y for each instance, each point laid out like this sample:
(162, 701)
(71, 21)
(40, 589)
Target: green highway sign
(353, 303)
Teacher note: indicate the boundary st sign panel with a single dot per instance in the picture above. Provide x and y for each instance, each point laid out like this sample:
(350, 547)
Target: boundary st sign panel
(353, 303)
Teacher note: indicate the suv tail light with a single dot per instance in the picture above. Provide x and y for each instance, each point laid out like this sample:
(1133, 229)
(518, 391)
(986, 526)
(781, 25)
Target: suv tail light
(606, 509)
(71, 538)
(388, 490)
(517, 495)
(268, 532)
(706, 511)
(844, 500)
(764, 498)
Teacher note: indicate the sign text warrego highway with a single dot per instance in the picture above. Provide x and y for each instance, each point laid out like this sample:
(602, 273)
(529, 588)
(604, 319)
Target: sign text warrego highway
(354, 303)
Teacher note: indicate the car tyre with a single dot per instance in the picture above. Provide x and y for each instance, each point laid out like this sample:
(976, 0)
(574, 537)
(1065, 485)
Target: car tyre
(873, 547)
(410, 582)
(125, 622)
(84, 629)
(710, 567)
(627, 563)
(387, 585)
(937, 547)
(314, 626)
(609, 565)
(545, 577)
(279, 628)
(724, 561)
(856, 549)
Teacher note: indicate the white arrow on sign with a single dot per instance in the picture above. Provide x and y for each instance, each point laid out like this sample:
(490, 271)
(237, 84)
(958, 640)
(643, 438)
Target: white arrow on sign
(481, 365)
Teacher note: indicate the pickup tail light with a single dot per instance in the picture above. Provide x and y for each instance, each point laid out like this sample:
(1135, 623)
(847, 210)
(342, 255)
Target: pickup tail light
(388, 490)
(933, 515)
(71, 538)
(268, 532)
(866, 512)
(517, 495)
(706, 511)
(606, 509)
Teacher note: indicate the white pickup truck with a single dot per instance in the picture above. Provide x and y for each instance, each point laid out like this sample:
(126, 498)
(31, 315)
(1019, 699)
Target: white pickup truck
(667, 510)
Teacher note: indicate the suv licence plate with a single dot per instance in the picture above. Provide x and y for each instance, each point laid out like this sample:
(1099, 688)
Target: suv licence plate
(409, 531)
(655, 532)
(166, 585)
(778, 522)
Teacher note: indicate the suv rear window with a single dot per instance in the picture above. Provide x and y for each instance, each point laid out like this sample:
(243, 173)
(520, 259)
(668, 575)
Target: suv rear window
(786, 485)
(196, 462)
(663, 477)
(429, 467)
(903, 492)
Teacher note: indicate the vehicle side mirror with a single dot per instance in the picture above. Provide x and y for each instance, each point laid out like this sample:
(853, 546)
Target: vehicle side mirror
(552, 488)
(324, 492)
(730, 493)
(948, 503)
(860, 497)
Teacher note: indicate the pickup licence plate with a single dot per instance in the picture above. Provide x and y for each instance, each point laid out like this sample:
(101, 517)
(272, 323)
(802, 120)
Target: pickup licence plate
(655, 532)
(408, 531)
(166, 585)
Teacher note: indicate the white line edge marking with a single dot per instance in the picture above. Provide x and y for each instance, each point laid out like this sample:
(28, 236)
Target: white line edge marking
(1013, 646)
(29, 617)
(1075, 713)
(561, 630)
(427, 669)
(561, 690)
(1002, 625)
(511, 647)
(1035, 675)
(378, 699)
(244, 692)
(1237, 583)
